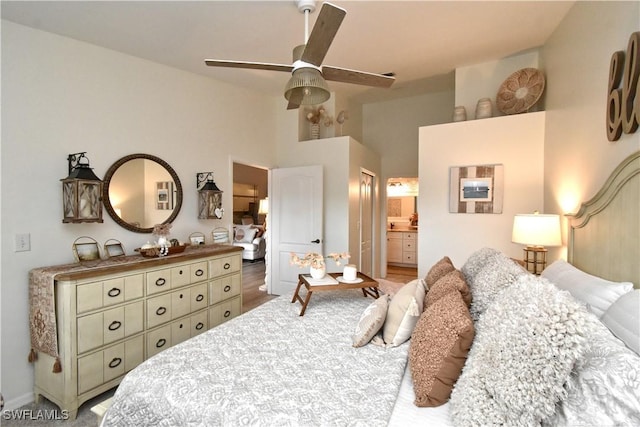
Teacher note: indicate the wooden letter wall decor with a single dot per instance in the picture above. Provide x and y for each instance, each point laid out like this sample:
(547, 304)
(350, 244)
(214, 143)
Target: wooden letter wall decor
(623, 105)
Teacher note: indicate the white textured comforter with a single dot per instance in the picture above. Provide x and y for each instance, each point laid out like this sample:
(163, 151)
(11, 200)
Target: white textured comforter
(268, 367)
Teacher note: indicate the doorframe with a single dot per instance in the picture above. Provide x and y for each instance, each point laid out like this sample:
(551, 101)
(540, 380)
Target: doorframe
(232, 161)
(374, 226)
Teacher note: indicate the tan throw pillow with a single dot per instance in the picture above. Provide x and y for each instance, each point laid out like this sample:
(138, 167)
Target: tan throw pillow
(439, 269)
(438, 349)
(404, 311)
(371, 321)
(451, 282)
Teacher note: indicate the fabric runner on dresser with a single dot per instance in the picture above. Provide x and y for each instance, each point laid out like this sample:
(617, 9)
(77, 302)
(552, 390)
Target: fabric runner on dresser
(42, 303)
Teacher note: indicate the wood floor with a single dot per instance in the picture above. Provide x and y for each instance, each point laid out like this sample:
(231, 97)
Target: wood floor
(401, 274)
(253, 278)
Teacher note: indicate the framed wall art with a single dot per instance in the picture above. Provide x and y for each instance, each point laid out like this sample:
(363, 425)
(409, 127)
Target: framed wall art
(164, 195)
(476, 189)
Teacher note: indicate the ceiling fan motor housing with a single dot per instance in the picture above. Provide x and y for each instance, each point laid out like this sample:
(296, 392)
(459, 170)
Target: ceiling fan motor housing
(306, 5)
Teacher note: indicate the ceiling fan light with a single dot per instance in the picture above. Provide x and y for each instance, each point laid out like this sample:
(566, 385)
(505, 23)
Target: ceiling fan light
(314, 88)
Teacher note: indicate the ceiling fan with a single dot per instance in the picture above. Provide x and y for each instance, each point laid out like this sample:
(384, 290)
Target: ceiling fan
(307, 85)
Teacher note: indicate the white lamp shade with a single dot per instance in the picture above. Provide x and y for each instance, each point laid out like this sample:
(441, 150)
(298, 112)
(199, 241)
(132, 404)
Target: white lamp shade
(536, 230)
(263, 208)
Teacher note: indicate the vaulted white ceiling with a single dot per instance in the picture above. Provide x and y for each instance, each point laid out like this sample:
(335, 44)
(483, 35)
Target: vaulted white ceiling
(420, 41)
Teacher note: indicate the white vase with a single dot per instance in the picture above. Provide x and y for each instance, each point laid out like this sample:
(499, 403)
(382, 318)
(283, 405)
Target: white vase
(459, 114)
(484, 109)
(318, 273)
(163, 241)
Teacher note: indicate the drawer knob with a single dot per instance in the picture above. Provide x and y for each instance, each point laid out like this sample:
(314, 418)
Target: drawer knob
(227, 288)
(161, 310)
(180, 272)
(227, 266)
(161, 342)
(200, 297)
(227, 313)
(199, 272)
(115, 325)
(114, 292)
(161, 281)
(181, 296)
(115, 362)
(200, 325)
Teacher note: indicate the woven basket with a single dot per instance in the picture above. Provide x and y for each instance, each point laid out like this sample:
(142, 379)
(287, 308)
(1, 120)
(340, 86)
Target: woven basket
(520, 91)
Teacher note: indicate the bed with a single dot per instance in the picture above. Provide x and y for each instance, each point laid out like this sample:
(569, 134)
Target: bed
(560, 349)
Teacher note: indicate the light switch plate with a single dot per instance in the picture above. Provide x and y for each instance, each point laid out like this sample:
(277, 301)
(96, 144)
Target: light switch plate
(23, 242)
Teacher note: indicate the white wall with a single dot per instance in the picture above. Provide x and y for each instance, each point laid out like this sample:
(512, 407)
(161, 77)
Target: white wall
(61, 96)
(578, 156)
(513, 141)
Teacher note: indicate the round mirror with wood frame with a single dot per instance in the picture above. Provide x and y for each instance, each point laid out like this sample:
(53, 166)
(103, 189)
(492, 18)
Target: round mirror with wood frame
(140, 191)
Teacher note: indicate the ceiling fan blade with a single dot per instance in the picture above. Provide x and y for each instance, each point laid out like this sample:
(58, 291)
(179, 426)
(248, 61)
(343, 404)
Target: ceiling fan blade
(324, 30)
(295, 99)
(251, 65)
(345, 75)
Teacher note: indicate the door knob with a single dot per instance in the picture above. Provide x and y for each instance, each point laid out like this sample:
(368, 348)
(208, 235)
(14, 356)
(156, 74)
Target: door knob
(315, 241)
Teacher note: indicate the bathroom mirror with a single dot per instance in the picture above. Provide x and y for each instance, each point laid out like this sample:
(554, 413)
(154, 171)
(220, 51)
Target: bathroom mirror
(140, 191)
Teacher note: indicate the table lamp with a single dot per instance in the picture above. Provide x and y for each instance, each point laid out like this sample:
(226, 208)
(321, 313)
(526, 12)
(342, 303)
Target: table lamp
(536, 231)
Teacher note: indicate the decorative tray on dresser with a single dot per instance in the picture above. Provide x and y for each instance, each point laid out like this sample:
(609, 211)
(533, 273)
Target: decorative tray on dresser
(103, 318)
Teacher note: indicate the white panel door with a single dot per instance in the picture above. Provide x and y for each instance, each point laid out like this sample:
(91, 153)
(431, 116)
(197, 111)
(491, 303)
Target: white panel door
(296, 220)
(366, 224)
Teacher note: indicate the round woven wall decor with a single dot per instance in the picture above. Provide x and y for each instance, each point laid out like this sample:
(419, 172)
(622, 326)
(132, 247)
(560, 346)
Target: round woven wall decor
(520, 91)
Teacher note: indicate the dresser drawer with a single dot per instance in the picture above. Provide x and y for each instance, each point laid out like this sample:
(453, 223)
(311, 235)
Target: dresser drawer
(163, 308)
(224, 288)
(175, 332)
(96, 330)
(105, 365)
(158, 310)
(95, 295)
(224, 265)
(410, 236)
(158, 281)
(199, 323)
(409, 258)
(199, 271)
(409, 245)
(224, 311)
(158, 340)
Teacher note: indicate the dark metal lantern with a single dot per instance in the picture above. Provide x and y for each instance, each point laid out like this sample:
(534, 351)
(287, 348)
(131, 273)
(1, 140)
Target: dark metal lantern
(81, 192)
(209, 197)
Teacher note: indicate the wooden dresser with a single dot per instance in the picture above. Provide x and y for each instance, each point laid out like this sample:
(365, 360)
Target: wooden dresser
(112, 315)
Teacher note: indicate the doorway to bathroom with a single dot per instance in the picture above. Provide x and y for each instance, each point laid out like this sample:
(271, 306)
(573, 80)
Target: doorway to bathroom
(402, 228)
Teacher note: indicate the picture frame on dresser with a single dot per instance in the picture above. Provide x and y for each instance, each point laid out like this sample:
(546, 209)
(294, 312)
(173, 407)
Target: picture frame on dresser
(113, 248)
(85, 249)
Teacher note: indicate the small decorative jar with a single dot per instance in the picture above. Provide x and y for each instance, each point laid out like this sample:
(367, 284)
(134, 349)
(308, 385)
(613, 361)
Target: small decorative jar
(484, 109)
(459, 114)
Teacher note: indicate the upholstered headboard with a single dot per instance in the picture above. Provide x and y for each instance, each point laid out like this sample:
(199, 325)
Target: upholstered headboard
(604, 235)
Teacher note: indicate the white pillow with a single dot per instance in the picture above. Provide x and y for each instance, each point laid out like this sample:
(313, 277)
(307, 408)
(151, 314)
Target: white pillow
(244, 233)
(371, 321)
(623, 319)
(404, 311)
(594, 291)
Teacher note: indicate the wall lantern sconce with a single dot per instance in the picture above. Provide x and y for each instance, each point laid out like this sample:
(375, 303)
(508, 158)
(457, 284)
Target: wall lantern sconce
(81, 192)
(209, 197)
